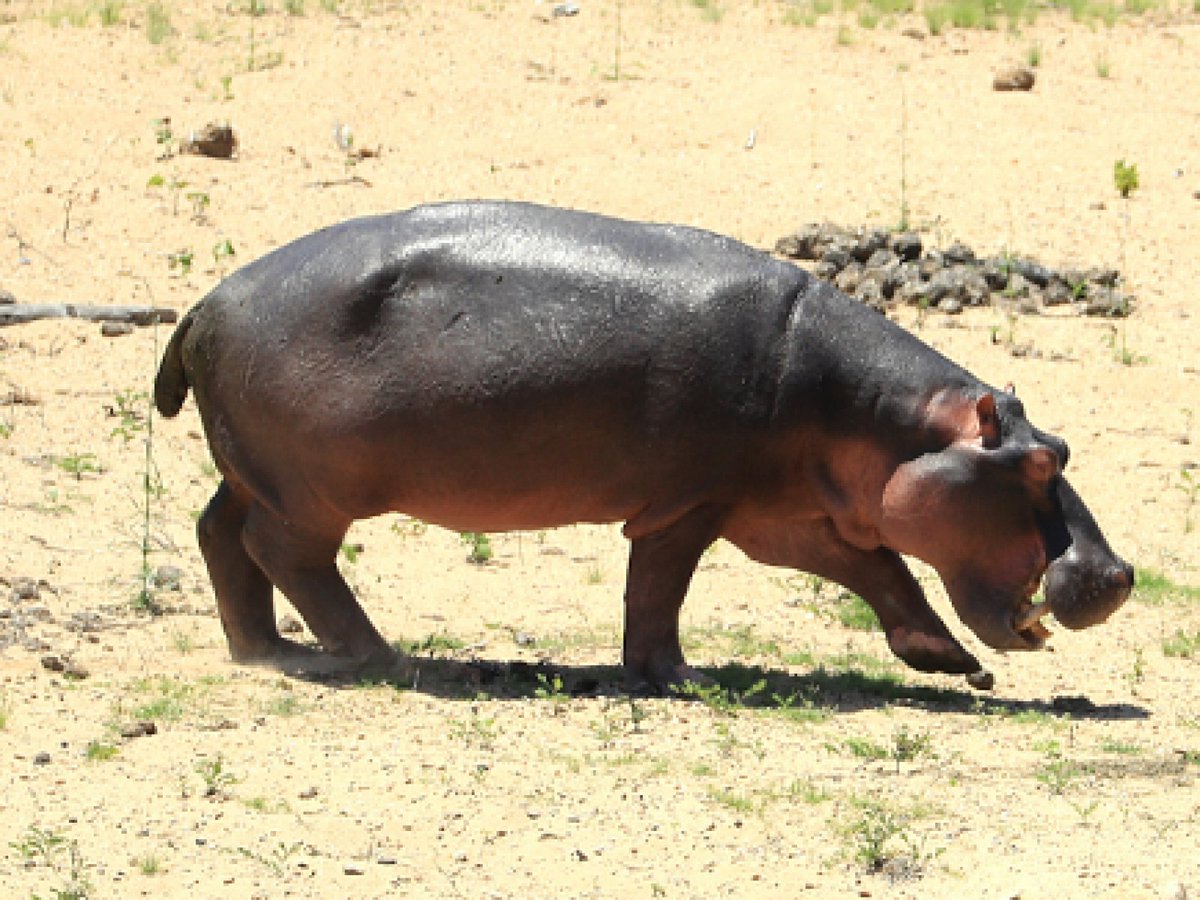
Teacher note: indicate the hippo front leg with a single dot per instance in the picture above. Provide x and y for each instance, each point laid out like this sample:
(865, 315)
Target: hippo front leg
(913, 630)
(661, 565)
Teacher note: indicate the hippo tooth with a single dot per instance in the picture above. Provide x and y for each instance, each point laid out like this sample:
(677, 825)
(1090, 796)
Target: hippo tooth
(1030, 616)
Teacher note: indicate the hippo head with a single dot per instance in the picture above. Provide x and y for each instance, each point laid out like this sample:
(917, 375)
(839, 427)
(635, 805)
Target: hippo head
(992, 513)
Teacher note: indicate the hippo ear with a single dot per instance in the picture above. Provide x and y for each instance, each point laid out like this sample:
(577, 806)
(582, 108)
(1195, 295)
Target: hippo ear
(989, 421)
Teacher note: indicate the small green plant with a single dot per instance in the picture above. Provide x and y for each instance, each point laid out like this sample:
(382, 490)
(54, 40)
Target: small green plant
(1058, 773)
(216, 777)
(1085, 810)
(481, 547)
(110, 12)
(476, 730)
(97, 751)
(1182, 645)
(864, 748)
(351, 552)
(551, 688)
(158, 23)
(284, 704)
(149, 864)
(712, 10)
(907, 745)
(181, 260)
(1103, 65)
(222, 252)
(880, 836)
(79, 464)
(1125, 178)
(41, 846)
(1033, 55)
(127, 409)
(200, 203)
(1189, 484)
(734, 801)
(1137, 672)
(440, 643)
(1123, 748)
(5, 711)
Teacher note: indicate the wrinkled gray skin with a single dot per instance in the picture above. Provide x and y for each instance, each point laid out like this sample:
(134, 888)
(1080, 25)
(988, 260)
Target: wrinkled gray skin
(496, 366)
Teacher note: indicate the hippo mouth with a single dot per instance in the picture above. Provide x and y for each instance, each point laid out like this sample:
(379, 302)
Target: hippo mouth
(1027, 619)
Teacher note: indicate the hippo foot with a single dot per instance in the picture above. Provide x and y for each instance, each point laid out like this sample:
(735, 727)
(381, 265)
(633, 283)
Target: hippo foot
(302, 659)
(927, 652)
(983, 680)
(665, 680)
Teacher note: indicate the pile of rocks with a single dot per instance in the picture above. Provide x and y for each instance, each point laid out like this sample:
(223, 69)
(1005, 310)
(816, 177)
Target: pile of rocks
(887, 268)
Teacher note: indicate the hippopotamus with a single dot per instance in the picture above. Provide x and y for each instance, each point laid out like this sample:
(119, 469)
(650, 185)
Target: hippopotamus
(498, 366)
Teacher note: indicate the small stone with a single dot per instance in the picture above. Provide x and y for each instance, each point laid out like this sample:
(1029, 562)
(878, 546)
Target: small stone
(115, 329)
(524, 639)
(289, 624)
(386, 861)
(168, 578)
(1014, 77)
(54, 663)
(906, 245)
(950, 306)
(959, 254)
(353, 869)
(215, 140)
(308, 793)
(915, 33)
(141, 728)
(42, 759)
(25, 589)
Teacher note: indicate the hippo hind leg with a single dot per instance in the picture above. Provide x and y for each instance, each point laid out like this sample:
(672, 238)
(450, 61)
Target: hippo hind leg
(661, 565)
(302, 563)
(243, 590)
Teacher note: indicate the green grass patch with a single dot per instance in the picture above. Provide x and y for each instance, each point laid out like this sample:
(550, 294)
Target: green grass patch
(1182, 645)
(1156, 589)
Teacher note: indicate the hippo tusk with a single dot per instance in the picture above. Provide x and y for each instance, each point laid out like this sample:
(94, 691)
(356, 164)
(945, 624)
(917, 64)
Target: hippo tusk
(1030, 616)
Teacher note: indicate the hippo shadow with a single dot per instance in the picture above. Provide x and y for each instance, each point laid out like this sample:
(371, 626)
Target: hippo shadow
(818, 691)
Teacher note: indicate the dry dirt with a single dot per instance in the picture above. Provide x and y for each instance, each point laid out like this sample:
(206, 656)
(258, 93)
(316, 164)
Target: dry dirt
(1076, 777)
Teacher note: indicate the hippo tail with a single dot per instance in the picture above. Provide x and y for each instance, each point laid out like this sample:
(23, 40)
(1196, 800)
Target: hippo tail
(171, 385)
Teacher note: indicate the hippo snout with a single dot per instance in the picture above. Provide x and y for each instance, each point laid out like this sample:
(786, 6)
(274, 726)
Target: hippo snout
(1083, 592)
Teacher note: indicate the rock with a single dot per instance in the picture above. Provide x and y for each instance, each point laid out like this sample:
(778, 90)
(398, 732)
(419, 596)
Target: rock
(25, 589)
(115, 329)
(167, 578)
(868, 243)
(906, 245)
(289, 624)
(1032, 271)
(930, 264)
(143, 728)
(870, 293)
(565, 10)
(838, 256)
(881, 259)
(214, 139)
(1057, 293)
(913, 32)
(42, 759)
(1013, 77)
(959, 254)
(849, 278)
(950, 306)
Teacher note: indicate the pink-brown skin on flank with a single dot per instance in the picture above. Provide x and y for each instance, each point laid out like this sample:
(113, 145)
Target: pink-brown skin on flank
(501, 366)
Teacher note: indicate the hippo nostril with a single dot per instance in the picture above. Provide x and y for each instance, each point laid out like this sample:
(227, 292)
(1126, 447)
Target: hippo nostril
(1121, 577)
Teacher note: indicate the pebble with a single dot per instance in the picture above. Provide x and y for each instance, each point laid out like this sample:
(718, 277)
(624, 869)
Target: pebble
(353, 869)
(42, 759)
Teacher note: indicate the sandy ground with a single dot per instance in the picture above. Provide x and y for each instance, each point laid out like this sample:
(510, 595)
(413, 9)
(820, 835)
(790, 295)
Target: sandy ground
(1077, 777)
